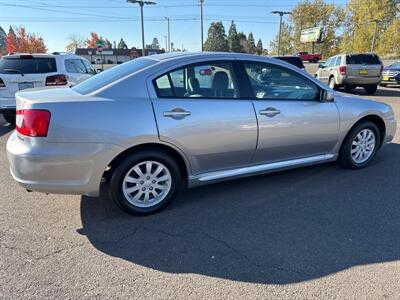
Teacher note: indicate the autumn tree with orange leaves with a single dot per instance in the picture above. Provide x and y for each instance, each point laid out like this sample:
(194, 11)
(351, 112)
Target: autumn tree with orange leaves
(23, 42)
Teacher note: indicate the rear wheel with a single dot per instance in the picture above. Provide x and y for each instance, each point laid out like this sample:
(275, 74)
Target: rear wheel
(10, 118)
(360, 146)
(370, 89)
(145, 182)
(332, 83)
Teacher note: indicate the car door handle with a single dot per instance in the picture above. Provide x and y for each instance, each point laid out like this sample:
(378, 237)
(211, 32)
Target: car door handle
(270, 112)
(177, 114)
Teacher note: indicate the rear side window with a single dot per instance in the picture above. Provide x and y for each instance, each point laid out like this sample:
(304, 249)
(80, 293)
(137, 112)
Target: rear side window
(75, 66)
(28, 65)
(338, 61)
(363, 59)
(296, 61)
(213, 80)
(104, 78)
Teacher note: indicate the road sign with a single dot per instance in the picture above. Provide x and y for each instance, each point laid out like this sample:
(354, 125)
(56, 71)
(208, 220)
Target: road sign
(100, 43)
(100, 48)
(311, 35)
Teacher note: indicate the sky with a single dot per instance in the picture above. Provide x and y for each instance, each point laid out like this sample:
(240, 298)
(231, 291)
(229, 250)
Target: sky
(56, 20)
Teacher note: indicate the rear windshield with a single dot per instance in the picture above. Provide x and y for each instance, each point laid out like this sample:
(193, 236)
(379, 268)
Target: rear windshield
(104, 78)
(296, 61)
(362, 59)
(28, 65)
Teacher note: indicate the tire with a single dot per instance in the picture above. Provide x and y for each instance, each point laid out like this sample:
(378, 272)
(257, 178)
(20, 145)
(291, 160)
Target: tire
(10, 118)
(371, 89)
(383, 84)
(315, 60)
(346, 158)
(332, 83)
(348, 88)
(145, 185)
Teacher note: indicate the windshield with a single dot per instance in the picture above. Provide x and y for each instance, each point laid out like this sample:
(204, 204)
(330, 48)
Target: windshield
(396, 65)
(104, 78)
(363, 59)
(27, 65)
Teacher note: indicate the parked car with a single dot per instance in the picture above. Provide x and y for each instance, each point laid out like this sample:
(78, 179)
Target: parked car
(305, 56)
(294, 60)
(352, 70)
(391, 74)
(24, 71)
(152, 125)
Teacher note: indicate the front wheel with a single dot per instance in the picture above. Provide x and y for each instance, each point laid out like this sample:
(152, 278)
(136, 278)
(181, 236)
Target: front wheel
(360, 146)
(145, 182)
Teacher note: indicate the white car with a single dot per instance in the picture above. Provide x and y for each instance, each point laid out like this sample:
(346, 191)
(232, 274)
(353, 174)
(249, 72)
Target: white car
(21, 71)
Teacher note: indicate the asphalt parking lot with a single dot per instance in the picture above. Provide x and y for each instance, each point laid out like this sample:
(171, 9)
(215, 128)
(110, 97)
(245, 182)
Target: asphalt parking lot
(317, 232)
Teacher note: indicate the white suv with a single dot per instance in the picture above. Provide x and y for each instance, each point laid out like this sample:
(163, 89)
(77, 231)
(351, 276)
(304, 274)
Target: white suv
(22, 71)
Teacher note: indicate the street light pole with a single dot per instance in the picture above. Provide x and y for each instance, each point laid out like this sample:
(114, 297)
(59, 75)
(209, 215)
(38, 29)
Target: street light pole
(374, 37)
(142, 4)
(202, 21)
(280, 13)
(168, 35)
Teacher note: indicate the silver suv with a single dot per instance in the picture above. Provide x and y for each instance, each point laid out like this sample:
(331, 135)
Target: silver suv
(352, 70)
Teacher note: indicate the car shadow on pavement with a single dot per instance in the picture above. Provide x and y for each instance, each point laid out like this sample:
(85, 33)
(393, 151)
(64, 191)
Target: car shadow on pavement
(280, 228)
(5, 127)
(381, 92)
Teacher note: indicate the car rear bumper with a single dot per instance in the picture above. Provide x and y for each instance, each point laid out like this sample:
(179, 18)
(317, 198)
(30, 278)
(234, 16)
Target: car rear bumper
(360, 81)
(60, 168)
(7, 104)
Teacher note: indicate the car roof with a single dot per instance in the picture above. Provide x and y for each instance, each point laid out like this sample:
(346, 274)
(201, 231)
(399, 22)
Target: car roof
(39, 55)
(172, 56)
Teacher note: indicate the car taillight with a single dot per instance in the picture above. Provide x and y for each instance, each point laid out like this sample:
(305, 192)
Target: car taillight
(2, 84)
(342, 70)
(56, 80)
(33, 122)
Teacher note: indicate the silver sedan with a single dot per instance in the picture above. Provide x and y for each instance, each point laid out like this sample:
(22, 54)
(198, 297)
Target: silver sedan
(155, 124)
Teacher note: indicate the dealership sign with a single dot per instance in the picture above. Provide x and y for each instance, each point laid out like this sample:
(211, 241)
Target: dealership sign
(311, 35)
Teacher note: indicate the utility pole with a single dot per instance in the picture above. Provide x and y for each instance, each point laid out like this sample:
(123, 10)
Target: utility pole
(202, 21)
(374, 37)
(142, 4)
(280, 13)
(168, 35)
(166, 43)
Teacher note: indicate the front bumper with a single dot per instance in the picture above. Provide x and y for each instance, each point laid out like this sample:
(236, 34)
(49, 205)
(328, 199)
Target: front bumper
(59, 168)
(390, 80)
(391, 127)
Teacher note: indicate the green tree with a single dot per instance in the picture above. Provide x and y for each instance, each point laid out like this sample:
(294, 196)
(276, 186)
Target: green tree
(259, 47)
(389, 42)
(155, 44)
(108, 44)
(234, 40)
(360, 25)
(216, 39)
(287, 46)
(122, 44)
(243, 42)
(3, 40)
(317, 13)
(252, 44)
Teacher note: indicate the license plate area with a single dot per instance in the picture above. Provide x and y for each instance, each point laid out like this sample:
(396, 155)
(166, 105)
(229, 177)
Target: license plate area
(363, 72)
(385, 78)
(25, 85)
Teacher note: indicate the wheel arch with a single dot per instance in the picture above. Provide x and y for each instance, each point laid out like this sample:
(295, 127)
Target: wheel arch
(183, 164)
(377, 120)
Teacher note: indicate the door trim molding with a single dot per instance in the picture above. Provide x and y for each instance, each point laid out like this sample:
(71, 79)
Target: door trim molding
(216, 176)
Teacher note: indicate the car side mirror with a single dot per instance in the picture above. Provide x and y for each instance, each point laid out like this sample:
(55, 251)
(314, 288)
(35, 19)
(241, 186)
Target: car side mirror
(99, 71)
(327, 96)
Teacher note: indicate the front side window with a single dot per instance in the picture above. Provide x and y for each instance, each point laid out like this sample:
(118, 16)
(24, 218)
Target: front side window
(277, 83)
(206, 80)
(89, 67)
